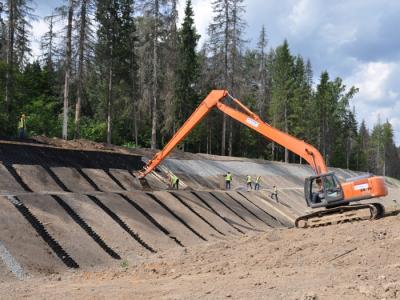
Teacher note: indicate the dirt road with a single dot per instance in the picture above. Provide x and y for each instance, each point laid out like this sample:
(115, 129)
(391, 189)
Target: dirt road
(348, 261)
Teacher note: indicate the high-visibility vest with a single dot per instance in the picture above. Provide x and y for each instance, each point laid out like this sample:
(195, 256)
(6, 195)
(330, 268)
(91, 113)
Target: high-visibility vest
(174, 179)
(228, 177)
(22, 123)
(248, 179)
(258, 179)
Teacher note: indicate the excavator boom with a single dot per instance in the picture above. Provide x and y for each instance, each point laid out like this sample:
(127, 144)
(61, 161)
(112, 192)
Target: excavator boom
(247, 117)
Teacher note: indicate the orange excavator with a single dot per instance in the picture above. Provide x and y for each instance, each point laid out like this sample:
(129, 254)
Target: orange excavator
(323, 190)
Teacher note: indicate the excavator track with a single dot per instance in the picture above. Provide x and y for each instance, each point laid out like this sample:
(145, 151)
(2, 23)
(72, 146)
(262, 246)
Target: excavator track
(340, 214)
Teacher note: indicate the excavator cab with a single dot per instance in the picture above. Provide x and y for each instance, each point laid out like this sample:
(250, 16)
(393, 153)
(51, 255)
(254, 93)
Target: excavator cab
(323, 190)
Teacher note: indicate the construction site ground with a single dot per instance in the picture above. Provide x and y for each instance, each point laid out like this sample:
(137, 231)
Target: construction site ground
(278, 264)
(76, 223)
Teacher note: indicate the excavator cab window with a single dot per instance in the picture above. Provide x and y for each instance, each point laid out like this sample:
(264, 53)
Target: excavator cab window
(323, 190)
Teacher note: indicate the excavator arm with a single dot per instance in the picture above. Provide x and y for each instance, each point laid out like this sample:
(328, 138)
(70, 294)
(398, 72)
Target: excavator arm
(247, 117)
(336, 195)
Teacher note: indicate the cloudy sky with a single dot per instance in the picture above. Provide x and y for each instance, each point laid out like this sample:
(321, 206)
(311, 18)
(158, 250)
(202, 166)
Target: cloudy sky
(354, 39)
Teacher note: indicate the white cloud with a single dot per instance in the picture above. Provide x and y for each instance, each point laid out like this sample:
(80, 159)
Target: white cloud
(379, 96)
(202, 16)
(373, 79)
(39, 29)
(302, 17)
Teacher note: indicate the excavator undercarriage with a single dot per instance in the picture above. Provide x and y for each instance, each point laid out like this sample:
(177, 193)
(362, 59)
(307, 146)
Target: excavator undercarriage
(340, 214)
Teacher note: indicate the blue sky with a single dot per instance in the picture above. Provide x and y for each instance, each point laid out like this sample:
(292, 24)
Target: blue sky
(354, 39)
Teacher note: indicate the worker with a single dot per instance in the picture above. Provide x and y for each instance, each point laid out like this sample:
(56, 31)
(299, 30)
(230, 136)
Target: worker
(257, 185)
(228, 180)
(174, 182)
(274, 193)
(319, 194)
(249, 181)
(22, 126)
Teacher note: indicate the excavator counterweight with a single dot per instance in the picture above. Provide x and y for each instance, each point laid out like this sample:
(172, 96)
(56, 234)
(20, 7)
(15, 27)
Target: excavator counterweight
(321, 190)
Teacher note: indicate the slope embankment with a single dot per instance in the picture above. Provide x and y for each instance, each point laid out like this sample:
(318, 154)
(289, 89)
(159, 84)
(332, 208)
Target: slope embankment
(66, 209)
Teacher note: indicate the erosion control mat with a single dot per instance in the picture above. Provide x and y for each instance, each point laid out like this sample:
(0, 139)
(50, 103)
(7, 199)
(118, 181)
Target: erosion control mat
(79, 211)
(23, 154)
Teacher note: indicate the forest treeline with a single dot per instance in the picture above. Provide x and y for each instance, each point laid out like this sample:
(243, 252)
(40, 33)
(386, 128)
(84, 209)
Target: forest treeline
(131, 72)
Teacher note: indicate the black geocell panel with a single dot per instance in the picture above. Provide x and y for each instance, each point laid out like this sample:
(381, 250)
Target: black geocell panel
(56, 157)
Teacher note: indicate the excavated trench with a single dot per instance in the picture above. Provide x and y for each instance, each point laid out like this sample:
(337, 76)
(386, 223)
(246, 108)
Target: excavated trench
(67, 209)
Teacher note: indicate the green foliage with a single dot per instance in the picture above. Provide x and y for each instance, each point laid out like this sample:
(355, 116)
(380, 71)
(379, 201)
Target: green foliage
(95, 130)
(42, 116)
(188, 68)
(130, 145)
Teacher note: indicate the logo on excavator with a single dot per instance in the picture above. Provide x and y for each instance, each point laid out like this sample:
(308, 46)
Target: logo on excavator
(361, 187)
(252, 122)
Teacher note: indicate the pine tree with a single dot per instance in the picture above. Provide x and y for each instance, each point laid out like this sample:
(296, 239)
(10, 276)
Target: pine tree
(282, 91)
(390, 155)
(131, 33)
(188, 68)
(263, 88)
(84, 48)
(349, 134)
(362, 153)
(154, 18)
(3, 34)
(115, 53)
(375, 151)
(48, 42)
(169, 61)
(19, 14)
(225, 43)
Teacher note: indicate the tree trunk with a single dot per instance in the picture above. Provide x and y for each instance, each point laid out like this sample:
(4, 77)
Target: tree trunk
(50, 57)
(348, 152)
(223, 142)
(109, 100)
(135, 126)
(10, 51)
(226, 41)
(155, 78)
(230, 141)
(78, 106)
(67, 70)
(273, 151)
(286, 130)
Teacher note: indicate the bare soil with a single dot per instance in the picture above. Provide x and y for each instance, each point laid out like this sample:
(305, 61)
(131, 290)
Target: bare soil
(348, 261)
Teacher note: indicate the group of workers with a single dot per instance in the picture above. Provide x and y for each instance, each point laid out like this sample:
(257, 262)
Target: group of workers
(249, 184)
(174, 182)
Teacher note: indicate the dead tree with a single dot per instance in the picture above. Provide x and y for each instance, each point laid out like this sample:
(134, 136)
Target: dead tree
(68, 60)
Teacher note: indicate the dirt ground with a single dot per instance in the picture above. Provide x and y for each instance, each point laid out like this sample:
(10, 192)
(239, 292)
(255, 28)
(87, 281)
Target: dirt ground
(347, 261)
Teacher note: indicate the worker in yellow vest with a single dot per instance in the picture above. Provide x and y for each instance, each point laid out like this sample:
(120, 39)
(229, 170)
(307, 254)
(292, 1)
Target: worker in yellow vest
(249, 181)
(22, 126)
(228, 180)
(257, 185)
(174, 182)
